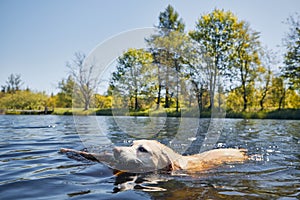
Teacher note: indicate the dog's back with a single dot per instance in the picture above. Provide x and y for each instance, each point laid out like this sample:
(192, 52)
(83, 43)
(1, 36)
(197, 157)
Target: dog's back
(213, 158)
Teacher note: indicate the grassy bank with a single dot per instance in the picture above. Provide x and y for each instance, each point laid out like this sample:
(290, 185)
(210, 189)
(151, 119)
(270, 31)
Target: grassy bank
(26, 112)
(171, 112)
(277, 114)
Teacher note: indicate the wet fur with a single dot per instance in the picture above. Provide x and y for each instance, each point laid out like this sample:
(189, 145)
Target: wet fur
(150, 155)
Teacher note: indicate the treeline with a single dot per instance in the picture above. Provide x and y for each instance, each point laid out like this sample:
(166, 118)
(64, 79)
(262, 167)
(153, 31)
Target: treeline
(12, 96)
(219, 65)
(15, 99)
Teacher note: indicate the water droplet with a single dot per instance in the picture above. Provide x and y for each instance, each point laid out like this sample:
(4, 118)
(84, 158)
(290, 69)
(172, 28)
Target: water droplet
(192, 138)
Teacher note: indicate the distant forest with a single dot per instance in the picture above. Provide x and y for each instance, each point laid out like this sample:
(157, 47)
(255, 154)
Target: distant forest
(219, 65)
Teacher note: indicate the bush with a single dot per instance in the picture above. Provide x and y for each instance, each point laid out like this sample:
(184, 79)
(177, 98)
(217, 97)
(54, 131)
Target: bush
(23, 100)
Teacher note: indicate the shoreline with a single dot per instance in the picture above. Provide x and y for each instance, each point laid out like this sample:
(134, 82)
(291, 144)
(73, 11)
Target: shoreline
(288, 114)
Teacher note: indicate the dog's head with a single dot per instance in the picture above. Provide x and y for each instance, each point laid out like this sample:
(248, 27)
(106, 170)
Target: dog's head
(145, 156)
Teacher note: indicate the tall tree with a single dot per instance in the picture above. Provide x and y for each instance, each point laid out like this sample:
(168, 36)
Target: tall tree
(268, 60)
(164, 48)
(216, 34)
(291, 70)
(196, 67)
(278, 92)
(64, 97)
(246, 61)
(86, 80)
(131, 77)
(170, 53)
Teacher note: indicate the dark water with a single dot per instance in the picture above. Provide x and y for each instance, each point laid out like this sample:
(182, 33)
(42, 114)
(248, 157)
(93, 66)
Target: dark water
(31, 166)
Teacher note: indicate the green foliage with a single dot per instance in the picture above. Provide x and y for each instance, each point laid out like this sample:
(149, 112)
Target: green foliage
(132, 78)
(24, 100)
(170, 52)
(227, 51)
(217, 34)
(168, 21)
(292, 64)
(103, 102)
(291, 70)
(265, 75)
(169, 48)
(277, 93)
(64, 97)
(246, 62)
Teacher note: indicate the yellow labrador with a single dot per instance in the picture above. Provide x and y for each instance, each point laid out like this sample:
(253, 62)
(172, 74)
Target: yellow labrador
(150, 155)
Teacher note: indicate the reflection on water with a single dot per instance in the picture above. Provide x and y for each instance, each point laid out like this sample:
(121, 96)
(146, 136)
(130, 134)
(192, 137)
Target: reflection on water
(32, 168)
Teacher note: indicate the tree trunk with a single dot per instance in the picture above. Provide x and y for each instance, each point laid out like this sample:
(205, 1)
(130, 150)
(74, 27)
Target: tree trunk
(262, 100)
(213, 81)
(167, 97)
(265, 91)
(136, 106)
(87, 99)
(167, 104)
(199, 94)
(177, 88)
(86, 104)
(199, 99)
(158, 97)
(219, 102)
(245, 101)
(159, 88)
(244, 86)
(281, 100)
(245, 96)
(213, 89)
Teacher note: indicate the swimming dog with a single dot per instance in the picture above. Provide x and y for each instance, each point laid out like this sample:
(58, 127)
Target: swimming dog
(151, 155)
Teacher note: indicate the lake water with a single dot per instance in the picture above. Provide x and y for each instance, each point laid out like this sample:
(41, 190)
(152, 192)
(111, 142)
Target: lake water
(31, 166)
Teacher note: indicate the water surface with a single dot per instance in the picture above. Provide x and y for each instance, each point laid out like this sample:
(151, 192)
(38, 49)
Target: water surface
(31, 166)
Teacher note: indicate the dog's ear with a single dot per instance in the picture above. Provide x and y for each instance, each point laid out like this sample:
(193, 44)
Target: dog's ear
(174, 166)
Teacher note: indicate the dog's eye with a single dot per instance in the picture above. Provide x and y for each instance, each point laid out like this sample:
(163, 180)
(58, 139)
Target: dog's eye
(142, 149)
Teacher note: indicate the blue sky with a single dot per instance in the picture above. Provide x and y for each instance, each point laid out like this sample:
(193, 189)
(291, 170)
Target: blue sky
(37, 38)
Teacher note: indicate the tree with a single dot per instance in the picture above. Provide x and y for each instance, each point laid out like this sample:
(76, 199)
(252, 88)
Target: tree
(13, 84)
(216, 34)
(196, 67)
(131, 78)
(291, 70)
(292, 99)
(171, 54)
(52, 101)
(278, 92)
(86, 80)
(246, 61)
(268, 60)
(169, 21)
(64, 97)
(164, 47)
(234, 100)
